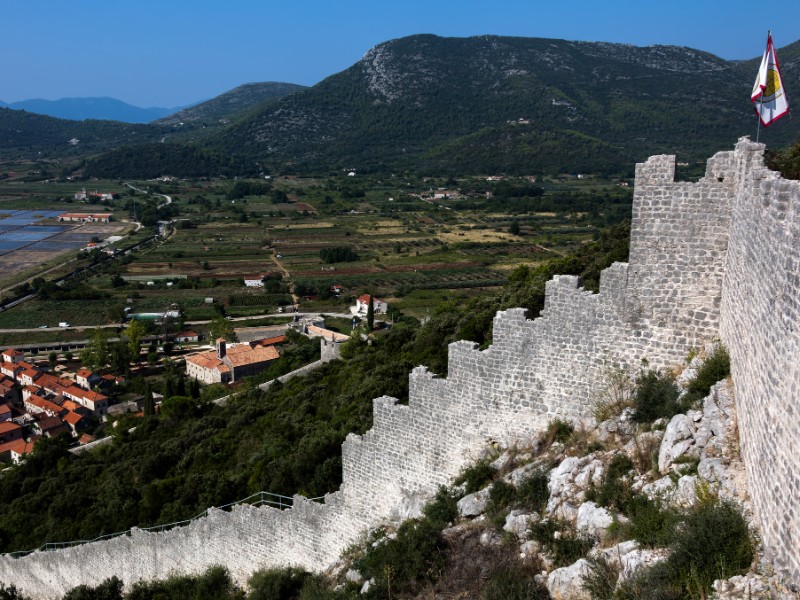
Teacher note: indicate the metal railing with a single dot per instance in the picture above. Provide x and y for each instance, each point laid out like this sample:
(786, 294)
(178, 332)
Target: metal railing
(257, 499)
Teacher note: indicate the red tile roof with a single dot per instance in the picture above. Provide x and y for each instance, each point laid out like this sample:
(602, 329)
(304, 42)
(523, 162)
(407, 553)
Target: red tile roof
(8, 426)
(240, 356)
(278, 339)
(72, 418)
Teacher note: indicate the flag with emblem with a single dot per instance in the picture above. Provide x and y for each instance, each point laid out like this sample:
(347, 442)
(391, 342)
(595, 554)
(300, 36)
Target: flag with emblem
(769, 96)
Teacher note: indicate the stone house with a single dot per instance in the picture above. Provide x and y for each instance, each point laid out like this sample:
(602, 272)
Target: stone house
(227, 364)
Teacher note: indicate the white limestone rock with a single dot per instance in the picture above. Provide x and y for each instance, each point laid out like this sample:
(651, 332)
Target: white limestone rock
(367, 585)
(518, 522)
(473, 505)
(593, 520)
(685, 494)
(637, 559)
(353, 576)
(745, 587)
(568, 482)
(490, 537)
(678, 438)
(566, 583)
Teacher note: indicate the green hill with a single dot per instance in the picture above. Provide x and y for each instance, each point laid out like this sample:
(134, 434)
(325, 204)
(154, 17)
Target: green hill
(412, 100)
(227, 106)
(480, 104)
(24, 133)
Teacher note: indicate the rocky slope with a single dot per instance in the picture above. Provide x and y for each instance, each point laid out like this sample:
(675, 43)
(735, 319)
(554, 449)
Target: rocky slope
(569, 512)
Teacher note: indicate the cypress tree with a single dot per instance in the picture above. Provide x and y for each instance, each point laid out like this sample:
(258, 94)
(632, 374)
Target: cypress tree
(371, 313)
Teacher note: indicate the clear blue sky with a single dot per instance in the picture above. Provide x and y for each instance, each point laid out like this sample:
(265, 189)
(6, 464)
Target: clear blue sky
(174, 52)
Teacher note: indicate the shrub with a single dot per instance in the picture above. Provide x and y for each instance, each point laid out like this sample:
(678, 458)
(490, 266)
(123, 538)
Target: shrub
(110, 589)
(656, 396)
(559, 431)
(616, 396)
(533, 492)
(476, 477)
(513, 584)
(651, 523)
(405, 563)
(214, 583)
(716, 368)
(602, 578)
(442, 510)
(501, 495)
(712, 542)
(564, 549)
(276, 584)
(613, 492)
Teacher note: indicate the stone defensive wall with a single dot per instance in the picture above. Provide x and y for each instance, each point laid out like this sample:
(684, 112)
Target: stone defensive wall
(710, 259)
(760, 325)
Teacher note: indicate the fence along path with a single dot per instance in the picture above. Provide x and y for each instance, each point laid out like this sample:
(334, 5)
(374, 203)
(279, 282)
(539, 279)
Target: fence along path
(257, 499)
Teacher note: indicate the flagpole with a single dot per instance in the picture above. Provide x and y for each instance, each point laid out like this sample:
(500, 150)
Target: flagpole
(758, 116)
(761, 97)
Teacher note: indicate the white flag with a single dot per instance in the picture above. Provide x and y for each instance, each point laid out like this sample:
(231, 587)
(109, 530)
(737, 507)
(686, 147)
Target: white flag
(769, 96)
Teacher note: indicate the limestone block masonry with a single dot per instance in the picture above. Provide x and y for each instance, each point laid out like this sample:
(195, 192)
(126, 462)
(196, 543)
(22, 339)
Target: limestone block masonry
(719, 258)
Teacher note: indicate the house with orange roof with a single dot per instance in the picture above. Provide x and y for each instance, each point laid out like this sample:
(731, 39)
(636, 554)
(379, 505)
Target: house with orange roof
(10, 431)
(17, 449)
(8, 392)
(229, 363)
(10, 369)
(50, 427)
(74, 421)
(28, 375)
(362, 306)
(187, 337)
(12, 355)
(86, 378)
(36, 405)
(94, 401)
(5, 413)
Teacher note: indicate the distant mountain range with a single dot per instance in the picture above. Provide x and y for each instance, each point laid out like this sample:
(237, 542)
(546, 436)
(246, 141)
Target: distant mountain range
(78, 109)
(223, 107)
(458, 105)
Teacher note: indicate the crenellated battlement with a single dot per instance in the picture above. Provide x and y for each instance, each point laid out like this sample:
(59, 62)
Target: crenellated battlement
(719, 258)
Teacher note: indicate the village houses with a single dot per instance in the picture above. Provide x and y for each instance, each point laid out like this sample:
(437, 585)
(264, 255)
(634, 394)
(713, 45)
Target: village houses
(48, 404)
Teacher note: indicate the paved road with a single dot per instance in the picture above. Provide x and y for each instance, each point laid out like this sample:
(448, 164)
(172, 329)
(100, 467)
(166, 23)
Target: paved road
(234, 320)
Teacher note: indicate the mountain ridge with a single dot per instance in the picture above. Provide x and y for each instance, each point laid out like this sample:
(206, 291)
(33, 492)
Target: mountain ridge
(406, 97)
(100, 108)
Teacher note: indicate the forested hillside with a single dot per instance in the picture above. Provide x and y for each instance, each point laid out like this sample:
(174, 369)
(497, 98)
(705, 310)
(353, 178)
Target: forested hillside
(227, 105)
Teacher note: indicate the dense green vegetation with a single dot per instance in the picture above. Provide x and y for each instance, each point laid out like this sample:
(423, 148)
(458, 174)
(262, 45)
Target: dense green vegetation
(22, 131)
(785, 161)
(148, 161)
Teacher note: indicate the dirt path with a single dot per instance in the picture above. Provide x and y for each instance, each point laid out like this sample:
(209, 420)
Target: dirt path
(286, 276)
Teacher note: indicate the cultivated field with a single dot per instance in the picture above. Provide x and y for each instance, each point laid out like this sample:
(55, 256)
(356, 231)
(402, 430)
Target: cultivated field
(401, 242)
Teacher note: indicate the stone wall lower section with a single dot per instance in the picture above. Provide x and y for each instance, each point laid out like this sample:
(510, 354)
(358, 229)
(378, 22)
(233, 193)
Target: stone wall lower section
(665, 302)
(760, 326)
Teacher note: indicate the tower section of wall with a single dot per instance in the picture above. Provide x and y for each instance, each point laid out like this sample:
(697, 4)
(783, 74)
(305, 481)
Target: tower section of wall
(760, 326)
